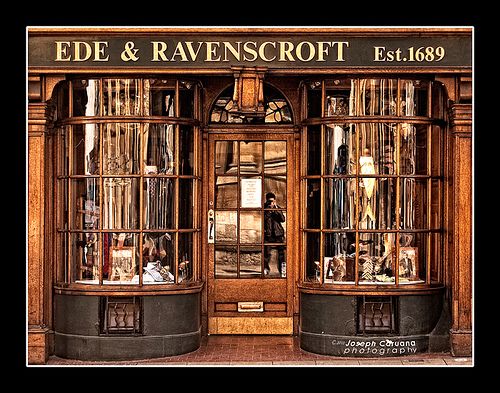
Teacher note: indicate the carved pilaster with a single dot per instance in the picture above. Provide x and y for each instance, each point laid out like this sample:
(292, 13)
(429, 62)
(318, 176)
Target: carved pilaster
(38, 274)
(461, 257)
(248, 96)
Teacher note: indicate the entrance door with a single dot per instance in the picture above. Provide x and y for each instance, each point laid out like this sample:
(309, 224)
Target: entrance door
(250, 274)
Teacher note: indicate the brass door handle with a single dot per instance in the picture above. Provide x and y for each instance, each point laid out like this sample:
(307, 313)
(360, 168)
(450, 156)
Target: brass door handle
(211, 226)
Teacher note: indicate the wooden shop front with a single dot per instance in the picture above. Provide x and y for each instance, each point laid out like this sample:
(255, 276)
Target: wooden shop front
(289, 181)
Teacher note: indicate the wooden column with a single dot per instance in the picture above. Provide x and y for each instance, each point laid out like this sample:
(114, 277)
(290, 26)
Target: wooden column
(461, 255)
(38, 329)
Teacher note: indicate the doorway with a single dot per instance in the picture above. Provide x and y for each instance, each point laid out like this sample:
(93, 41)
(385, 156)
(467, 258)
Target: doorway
(250, 227)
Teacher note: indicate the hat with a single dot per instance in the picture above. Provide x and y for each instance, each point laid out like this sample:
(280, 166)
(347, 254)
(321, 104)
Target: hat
(270, 195)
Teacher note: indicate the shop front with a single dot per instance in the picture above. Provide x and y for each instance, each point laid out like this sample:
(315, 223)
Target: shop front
(185, 182)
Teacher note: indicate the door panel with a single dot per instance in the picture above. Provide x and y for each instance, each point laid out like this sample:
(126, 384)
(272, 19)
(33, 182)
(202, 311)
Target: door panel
(249, 274)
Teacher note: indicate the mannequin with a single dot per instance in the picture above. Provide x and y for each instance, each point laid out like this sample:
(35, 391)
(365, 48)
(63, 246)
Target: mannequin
(367, 167)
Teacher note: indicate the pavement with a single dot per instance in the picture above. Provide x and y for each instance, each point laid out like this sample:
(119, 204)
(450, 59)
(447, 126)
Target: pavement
(270, 351)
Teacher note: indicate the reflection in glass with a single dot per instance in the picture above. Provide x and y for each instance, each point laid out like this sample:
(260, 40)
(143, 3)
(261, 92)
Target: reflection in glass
(121, 150)
(340, 149)
(340, 201)
(312, 256)
(340, 97)
(250, 227)
(120, 203)
(376, 251)
(185, 257)
(85, 149)
(120, 257)
(85, 97)
(85, 250)
(275, 157)
(86, 200)
(313, 206)
(250, 261)
(185, 203)
(158, 202)
(414, 96)
(250, 158)
(339, 257)
(121, 97)
(378, 96)
(159, 148)
(275, 261)
(226, 261)
(226, 157)
(277, 185)
(413, 153)
(159, 97)
(226, 225)
(226, 192)
(158, 250)
(412, 257)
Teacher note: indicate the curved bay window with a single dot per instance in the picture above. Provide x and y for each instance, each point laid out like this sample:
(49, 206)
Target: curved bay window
(373, 182)
(129, 178)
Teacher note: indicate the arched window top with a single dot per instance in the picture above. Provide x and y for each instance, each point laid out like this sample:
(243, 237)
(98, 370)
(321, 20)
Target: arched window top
(276, 107)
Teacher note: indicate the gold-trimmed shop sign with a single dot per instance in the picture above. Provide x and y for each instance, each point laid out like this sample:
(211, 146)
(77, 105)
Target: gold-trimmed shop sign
(207, 51)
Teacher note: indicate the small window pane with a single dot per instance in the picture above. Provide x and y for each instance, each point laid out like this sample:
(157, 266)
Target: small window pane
(226, 224)
(226, 261)
(412, 259)
(226, 192)
(277, 185)
(377, 203)
(159, 148)
(159, 197)
(414, 98)
(250, 158)
(275, 261)
(85, 255)
(86, 97)
(121, 97)
(86, 201)
(185, 257)
(313, 206)
(376, 258)
(339, 257)
(314, 100)
(186, 100)
(226, 157)
(158, 253)
(340, 149)
(86, 142)
(377, 148)
(186, 150)
(186, 203)
(250, 227)
(120, 257)
(340, 97)
(413, 203)
(121, 203)
(340, 199)
(312, 242)
(121, 148)
(250, 261)
(413, 154)
(378, 97)
(314, 150)
(159, 97)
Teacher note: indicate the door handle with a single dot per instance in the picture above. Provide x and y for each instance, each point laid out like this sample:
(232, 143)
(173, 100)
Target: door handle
(211, 226)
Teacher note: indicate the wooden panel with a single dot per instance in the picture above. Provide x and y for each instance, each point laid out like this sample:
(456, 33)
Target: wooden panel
(250, 325)
(275, 307)
(233, 290)
(226, 307)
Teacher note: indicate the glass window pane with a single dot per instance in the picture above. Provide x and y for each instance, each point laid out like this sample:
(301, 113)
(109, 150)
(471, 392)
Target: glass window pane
(376, 254)
(340, 149)
(275, 158)
(250, 261)
(120, 203)
(186, 99)
(313, 204)
(159, 97)
(158, 253)
(121, 97)
(413, 203)
(340, 97)
(276, 184)
(414, 97)
(377, 203)
(275, 261)
(85, 255)
(85, 149)
(226, 192)
(121, 150)
(339, 257)
(250, 158)
(274, 226)
(186, 203)
(86, 97)
(437, 154)
(314, 150)
(412, 259)
(226, 261)
(377, 148)
(85, 213)
(378, 97)
(436, 257)
(312, 242)
(314, 100)
(185, 257)
(159, 197)
(340, 199)
(159, 148)
(226, 157)
(250, 227)
(120, 257)
(413, 155)
(226, 225)
(186, 150)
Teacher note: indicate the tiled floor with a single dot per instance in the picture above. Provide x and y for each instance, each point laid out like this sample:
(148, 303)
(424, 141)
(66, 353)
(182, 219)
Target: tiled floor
(271, 351)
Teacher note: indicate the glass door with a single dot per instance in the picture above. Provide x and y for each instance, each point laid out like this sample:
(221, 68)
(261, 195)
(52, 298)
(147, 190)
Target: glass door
(249, 228)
